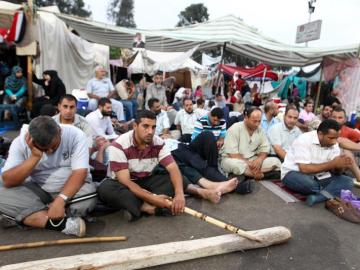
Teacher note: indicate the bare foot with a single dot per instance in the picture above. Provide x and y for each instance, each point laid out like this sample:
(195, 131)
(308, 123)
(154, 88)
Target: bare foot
(147, 208)
(258, 176)
(227, 186)
(211, 195)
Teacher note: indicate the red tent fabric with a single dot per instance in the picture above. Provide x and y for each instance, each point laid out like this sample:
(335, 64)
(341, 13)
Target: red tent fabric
(251, 73)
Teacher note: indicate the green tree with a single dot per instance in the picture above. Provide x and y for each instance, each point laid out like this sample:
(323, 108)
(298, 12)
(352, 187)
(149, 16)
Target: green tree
(72, 7)
(194, 13)
(121, 12)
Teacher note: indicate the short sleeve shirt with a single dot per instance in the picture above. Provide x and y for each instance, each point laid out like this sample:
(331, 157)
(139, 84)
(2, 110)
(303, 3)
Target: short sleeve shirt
(239, 141)
(306, 149)
(101, 88)
(350, 134)
(124, 154)
(280, 135)
(52, 171)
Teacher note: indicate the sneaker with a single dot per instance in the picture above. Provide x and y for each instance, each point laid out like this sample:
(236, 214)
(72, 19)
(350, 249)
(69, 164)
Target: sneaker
(75, 226)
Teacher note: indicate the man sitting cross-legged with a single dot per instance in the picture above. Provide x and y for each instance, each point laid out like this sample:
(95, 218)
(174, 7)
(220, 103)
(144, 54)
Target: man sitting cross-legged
(314, 163)
(246, 148)
(48, 165)
(283, 134)
(132, 183)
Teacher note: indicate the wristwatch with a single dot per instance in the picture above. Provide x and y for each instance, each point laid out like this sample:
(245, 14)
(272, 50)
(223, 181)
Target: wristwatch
(64, 197)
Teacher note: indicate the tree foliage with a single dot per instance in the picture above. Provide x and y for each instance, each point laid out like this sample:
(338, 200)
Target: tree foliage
(192, 14)
(72, 7)
(121, 12)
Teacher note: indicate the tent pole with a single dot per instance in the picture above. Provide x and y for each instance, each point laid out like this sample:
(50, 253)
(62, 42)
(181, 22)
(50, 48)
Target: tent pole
(319, 87)
(29, 63)
(221, 63)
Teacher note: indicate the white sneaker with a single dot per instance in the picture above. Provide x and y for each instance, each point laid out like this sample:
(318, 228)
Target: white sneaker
(75, 226)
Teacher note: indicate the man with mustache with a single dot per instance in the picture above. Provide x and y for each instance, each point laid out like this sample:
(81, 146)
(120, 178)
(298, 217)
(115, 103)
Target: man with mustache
(135, 185)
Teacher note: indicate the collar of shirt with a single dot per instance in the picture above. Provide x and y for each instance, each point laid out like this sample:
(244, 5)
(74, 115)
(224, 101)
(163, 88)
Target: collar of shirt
(285, 128)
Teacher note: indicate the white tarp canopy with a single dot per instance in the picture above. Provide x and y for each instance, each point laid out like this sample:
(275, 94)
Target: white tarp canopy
(240, 38)
(71, 56)
(149, 62)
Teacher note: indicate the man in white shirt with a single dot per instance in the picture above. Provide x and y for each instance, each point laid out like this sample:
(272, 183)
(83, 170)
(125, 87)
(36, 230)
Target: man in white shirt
(67, 115)
(162, 120)
(314, 163)
(282, 135)
(199, 110)
(100, 121)
(185, 120)
(99, 87)
(47, 166)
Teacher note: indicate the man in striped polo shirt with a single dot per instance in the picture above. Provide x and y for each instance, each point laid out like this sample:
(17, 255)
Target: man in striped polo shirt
(133, 159)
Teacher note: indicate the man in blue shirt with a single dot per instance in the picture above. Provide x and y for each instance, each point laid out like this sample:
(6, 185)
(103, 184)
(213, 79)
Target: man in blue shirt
(268, 118)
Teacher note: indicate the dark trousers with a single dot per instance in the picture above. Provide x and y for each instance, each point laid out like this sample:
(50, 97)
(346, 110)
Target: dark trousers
(202, 155)
(185, 138)
(117, 196)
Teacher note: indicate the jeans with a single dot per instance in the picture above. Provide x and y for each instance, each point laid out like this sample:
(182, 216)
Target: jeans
(131, 108)
(323, 189)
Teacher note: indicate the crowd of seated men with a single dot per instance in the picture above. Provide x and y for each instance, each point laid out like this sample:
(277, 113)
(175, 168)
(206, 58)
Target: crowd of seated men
(153, 157)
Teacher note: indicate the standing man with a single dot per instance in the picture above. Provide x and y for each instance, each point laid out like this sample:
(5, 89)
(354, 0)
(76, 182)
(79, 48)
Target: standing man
(100, 87)
(67, 115)
(185, 120)
(48, 165)
(100, 121)
(314, 164)
(133, 184)
(268, 118)
(282, 135)
(246, 148)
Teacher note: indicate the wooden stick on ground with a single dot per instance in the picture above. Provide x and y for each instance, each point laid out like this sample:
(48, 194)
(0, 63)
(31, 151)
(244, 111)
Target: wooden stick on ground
(160, 254)
(221, 224)
(63, 242)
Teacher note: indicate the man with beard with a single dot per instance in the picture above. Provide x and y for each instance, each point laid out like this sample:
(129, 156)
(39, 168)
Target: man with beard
(325, 114)
(100, 121)
(162, 120)
(157, 90)
(185, 120)
(134, 184)
(67, 115)
(268, 118)
(246, 148)
(314, 163)
(282, 135)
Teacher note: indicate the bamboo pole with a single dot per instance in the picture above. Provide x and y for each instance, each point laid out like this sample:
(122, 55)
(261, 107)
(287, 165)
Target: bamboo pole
(221, 224)
(62, 242)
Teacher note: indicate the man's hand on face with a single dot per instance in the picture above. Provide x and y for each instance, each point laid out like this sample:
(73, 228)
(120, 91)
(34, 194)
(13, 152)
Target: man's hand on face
(34, 150)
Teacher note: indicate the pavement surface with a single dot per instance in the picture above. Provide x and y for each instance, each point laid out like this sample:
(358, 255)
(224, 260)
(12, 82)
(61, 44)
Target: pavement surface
(320, 239)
